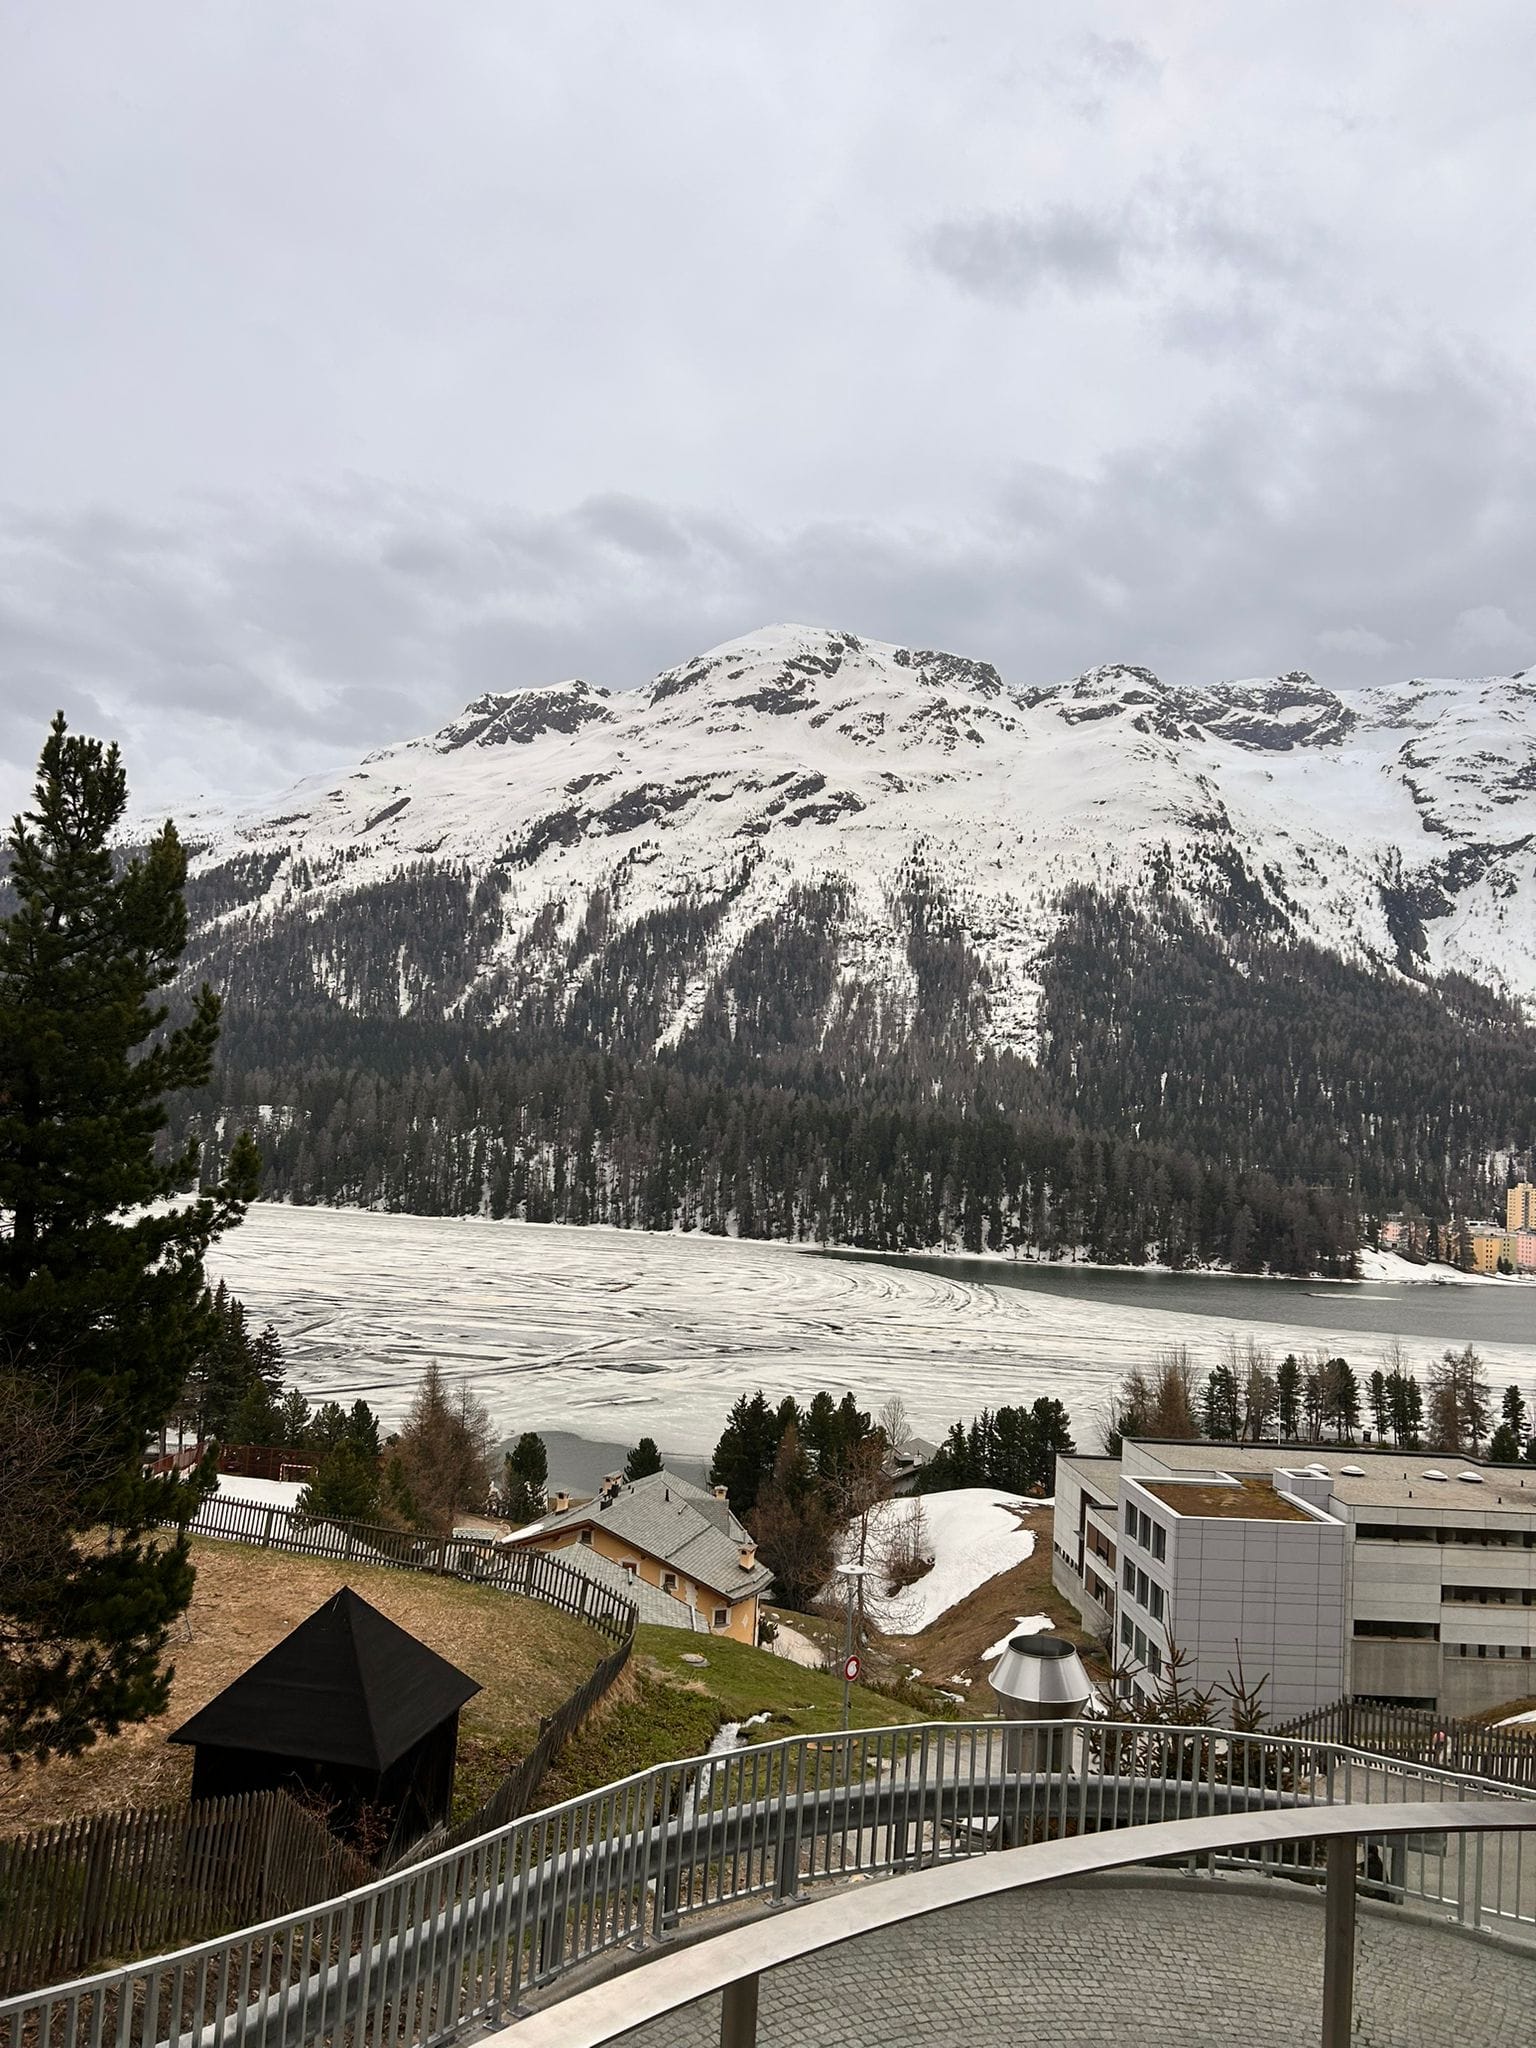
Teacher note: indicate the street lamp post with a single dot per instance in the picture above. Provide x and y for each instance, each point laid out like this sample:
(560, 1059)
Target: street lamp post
(850, 1574)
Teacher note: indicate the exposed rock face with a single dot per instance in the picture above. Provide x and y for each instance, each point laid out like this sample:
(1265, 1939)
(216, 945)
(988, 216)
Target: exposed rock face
(915, 801)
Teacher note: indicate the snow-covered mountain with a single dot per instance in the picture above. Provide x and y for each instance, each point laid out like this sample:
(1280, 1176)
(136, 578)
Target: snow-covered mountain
(1395, 826)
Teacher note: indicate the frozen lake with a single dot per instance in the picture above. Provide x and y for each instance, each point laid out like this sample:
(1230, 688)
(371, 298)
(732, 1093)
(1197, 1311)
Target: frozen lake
(618, 1334)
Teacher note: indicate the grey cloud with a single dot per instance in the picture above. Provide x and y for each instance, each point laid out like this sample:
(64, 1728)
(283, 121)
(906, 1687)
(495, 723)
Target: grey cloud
(1177, 233)
(1011, 257)
(280, 640)
(1121, 59)
(474, 350)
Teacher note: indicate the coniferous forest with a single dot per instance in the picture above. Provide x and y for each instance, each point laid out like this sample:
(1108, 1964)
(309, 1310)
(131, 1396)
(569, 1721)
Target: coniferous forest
(1204, 1092)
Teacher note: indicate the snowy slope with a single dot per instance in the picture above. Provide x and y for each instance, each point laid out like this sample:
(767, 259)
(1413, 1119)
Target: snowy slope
(1392, 824)
(972, 1534)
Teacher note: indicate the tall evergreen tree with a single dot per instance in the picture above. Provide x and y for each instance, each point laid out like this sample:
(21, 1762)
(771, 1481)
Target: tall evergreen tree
(643, 1460)
(526, 1479)
(104, 1310)
(744, 1456)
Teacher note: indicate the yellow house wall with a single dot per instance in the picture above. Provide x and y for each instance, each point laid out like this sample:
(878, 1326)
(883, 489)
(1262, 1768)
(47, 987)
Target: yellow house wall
(742, 1625)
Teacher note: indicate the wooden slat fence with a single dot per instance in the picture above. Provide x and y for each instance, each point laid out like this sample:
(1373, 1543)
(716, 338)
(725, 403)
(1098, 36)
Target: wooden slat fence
(511, 1568)
(98, 1890)
(518, 1791)
(1421, 1736)
(508, 1568)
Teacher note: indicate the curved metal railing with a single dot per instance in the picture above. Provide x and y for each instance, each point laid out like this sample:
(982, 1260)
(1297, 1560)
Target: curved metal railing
(464, 1936)
(736, 1957)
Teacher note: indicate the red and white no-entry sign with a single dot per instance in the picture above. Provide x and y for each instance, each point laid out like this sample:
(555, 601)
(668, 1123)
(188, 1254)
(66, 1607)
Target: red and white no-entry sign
(851, 1669)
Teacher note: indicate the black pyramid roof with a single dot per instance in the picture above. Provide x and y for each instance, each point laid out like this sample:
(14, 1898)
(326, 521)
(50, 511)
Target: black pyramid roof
(346, 1687)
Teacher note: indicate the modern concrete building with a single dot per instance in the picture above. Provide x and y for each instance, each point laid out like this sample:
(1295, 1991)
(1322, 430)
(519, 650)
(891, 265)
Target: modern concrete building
(1520, 1207)
(1363, 1574)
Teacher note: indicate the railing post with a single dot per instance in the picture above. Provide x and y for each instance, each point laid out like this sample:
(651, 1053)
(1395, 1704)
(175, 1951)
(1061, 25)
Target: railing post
(1339, 1943)
(787, 1865)
(738, 2013)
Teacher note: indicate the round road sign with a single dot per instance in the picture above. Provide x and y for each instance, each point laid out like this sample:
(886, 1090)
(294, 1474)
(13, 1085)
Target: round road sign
(851, 1669)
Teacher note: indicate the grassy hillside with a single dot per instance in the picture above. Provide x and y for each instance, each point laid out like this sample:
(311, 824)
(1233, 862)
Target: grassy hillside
(664, 1708)
(526, 1656)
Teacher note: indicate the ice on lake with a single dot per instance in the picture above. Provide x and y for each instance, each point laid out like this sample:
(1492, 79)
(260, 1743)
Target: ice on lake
(618, 1334)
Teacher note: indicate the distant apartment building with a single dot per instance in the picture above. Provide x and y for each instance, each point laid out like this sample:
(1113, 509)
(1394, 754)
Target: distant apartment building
(1502, 1251)
(1365, 1574)
(1520, 1207)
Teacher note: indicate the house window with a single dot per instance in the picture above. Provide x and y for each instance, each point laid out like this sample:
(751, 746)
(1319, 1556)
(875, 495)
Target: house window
(586, 1537)
(631, 1566)
(1143, 1589)
(1156, 1600)
(1130, 1576)
(722, 1617)
(1141, 1647)
(1125, 1630)
(669, 1582)
(1159, 1542)
(1154, 1660)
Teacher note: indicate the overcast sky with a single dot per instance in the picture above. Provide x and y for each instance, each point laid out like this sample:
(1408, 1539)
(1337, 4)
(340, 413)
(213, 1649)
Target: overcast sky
(357, 356)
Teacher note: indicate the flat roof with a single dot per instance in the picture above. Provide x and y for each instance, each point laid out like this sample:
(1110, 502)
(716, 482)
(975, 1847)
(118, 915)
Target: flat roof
(1242, 1498)
(1386, 1476)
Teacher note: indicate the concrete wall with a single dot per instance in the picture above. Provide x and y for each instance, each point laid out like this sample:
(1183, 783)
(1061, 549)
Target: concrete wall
(1408, 1582)
(1269, 1595)
(1094, 1617)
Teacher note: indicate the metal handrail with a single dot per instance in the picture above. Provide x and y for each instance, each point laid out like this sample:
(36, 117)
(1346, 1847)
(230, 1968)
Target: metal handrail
(465, 1935)
(734, 1958)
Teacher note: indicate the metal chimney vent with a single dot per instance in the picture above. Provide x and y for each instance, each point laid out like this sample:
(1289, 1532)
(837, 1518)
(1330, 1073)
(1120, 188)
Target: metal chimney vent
(1040, 1678)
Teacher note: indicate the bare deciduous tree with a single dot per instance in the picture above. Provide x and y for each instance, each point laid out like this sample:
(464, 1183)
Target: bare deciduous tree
(442, 1459)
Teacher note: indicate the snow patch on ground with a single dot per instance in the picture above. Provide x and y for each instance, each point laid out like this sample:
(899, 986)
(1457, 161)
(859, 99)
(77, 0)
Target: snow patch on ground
(262, 1493)
(973, 1534)
(1026, 1625)
(796, 1648)
(1409, 1273)
(1515, 1720)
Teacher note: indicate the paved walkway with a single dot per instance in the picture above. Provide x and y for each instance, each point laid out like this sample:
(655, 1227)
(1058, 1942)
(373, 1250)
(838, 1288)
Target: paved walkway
(1164, 1962)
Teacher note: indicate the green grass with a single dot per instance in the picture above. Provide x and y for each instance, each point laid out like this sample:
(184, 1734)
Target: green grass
(671, 1709)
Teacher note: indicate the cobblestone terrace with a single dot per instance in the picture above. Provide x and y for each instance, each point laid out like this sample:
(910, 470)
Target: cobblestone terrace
(1161, 1962)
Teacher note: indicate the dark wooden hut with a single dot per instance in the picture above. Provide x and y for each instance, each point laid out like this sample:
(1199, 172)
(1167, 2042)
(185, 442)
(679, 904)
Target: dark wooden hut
(348, 1708)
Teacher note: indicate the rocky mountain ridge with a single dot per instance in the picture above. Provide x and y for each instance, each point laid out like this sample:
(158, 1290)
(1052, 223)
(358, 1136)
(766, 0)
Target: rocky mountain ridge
(877, 794)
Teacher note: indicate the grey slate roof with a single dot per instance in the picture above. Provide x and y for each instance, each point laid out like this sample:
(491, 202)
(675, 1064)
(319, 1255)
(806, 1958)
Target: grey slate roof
(682, 1525)
(653, 1605)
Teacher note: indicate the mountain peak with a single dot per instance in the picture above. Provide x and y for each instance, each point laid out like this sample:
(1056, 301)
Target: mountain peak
(519, 716)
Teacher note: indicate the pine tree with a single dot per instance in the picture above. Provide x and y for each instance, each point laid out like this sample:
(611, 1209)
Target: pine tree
(744, 1456)
(1378, 1402)
(104, 1310)
(1513, 1414)
(526, 1478)
(1288, 1397)
(794, 1527)
(345, 1487)
(643, 1460)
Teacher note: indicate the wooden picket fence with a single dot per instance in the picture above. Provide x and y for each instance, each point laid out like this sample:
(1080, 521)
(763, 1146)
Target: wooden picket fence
(117, 1885)
(510, 1568)
(1419, 1735)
